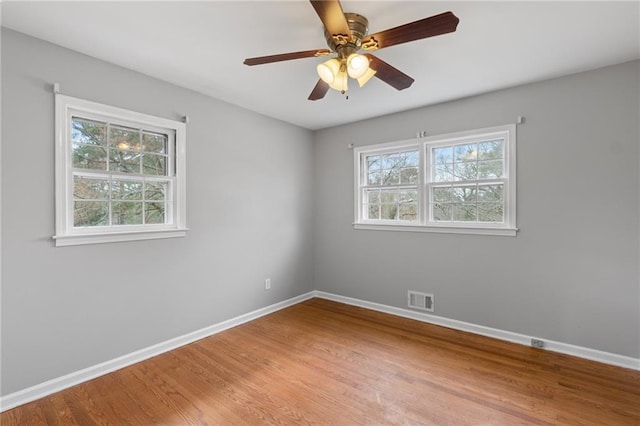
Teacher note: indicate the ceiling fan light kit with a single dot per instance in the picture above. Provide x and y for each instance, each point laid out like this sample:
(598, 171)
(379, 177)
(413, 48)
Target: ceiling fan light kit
(341, 81)
(357, 65)
(366, 77)
(328, 70)
(346, 34)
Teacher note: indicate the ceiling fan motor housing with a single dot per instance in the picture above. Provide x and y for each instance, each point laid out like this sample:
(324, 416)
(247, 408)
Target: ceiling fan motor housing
(358, 25)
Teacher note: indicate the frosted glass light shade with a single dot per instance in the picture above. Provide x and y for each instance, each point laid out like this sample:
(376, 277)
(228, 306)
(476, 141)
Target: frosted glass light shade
(328, 70)
(366, 77)
(357, 65)
(340, 82)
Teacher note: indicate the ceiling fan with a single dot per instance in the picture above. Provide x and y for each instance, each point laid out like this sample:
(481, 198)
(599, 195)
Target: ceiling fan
(346, 35)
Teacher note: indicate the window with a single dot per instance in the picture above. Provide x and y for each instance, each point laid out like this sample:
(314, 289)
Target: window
(460, 183)
(390, 190)
(119, 174)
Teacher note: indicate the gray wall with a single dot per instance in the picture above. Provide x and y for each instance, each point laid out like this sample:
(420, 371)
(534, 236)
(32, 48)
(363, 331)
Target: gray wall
(570, 275)
(249, 211)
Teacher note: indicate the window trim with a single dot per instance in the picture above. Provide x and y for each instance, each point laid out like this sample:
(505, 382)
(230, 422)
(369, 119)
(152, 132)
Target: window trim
(65, 108)
(424, 144)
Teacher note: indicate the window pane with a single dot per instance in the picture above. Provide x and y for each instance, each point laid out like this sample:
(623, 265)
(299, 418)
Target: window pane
(409, 175)
(90, 189)
(90, 213)
(389, 212)
(491, 212)
(442, 194)
(465, 153)
(464, 212)
(443, 155)
(442, 211)
(154, 164)
(374, 178)
(466, 171)
(372, 197)
(464, 194)
(443, 173)
(88, 132)
(409, 196)
(126, 190)
(89, 157)
(373, 162)
(410, 159)
(373, 211)
(154, 213)
(126, 213)
(390, 161)
(124, 138)
(491, 150)
(154, 142)
(408, 211)
(490, 169)
(389, 196)
(391, 177)
(155, 190)
(492, 193)
(126, 161)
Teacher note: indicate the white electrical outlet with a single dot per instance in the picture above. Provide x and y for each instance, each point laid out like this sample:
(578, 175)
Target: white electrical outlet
(537, 343)
(267, 284)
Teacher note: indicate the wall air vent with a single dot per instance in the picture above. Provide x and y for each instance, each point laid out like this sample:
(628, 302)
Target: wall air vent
(422, 301)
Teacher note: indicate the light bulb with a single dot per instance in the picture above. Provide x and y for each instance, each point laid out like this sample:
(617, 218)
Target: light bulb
(357, 65)
(328, 70)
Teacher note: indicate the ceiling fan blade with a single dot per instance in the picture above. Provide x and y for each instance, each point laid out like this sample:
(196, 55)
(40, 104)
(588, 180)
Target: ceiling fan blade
(286, 56)
(390, 75)
(332, 16)
(319, 91)
(436, 25)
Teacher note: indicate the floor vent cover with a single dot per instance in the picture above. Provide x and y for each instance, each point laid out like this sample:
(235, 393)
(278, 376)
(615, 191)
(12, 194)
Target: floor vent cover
(423, 301)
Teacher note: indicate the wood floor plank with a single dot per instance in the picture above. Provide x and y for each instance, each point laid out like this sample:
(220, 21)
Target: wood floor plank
(322, 362)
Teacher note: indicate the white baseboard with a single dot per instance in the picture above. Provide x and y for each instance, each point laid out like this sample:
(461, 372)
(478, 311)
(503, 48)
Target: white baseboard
(565, 348)
(55, 385)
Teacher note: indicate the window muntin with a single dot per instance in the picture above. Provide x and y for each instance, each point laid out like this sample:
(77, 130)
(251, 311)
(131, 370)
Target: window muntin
(463, 182)
(119, 174)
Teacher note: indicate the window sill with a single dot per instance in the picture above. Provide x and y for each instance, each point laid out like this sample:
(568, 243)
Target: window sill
(114, 237)
(504, 232)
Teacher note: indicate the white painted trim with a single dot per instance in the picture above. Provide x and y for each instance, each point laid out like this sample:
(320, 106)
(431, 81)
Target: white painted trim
(504, 232)
(112, 237)
(55, 385)
(565, 348)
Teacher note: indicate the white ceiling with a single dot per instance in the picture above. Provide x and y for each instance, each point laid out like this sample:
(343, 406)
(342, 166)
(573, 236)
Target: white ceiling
(201, 46)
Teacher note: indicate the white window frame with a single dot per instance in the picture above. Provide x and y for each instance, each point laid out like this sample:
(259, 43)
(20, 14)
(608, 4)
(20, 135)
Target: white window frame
(67, 107)
(424, 222)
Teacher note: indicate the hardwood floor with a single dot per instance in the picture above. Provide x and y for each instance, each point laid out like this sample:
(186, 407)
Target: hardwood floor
(321, 362)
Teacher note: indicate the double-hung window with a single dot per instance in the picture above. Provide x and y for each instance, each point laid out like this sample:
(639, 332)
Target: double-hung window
(119, 174)
(460, 183)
